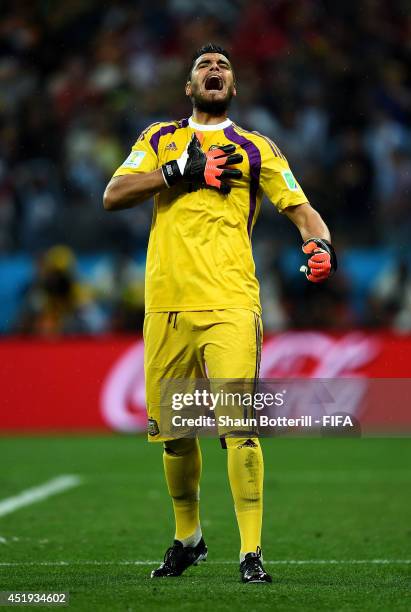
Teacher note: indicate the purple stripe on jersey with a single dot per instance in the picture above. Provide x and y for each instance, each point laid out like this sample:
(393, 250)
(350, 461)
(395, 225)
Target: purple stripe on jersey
(167, 129)
(254, 158)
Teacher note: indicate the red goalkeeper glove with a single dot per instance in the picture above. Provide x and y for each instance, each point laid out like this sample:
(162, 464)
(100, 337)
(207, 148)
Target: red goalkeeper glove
(203, 169)
(322, 260)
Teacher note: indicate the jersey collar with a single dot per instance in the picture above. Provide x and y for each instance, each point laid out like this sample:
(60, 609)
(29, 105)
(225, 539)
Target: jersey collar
(209, 128)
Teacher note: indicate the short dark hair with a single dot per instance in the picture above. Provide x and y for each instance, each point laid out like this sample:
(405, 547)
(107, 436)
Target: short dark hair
(208, 48)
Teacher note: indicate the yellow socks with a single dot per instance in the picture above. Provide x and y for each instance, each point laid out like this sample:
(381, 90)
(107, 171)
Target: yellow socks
(182, 467)
(246, 474)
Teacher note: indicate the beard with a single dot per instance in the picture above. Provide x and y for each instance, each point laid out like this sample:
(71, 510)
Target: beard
(212, 107)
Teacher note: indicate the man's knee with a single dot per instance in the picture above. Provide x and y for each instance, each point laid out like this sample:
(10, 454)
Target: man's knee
(180, 447)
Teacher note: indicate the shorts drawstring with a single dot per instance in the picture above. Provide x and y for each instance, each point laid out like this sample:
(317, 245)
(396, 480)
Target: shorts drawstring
(170, 318)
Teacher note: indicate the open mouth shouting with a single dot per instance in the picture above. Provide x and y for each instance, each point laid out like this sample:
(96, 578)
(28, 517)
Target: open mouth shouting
(214, 82)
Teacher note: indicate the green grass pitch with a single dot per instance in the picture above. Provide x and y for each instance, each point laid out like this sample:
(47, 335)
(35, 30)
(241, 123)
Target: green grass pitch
(337, 528)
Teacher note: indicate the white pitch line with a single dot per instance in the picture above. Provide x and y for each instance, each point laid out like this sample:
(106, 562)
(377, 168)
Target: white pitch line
(36, 494)
(267, 562)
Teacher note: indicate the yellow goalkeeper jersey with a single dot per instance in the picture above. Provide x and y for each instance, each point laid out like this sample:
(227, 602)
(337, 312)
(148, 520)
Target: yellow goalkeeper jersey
(199, 254)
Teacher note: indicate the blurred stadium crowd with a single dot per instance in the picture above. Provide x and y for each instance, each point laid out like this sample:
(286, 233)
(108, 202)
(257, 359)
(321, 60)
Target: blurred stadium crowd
(329, 81)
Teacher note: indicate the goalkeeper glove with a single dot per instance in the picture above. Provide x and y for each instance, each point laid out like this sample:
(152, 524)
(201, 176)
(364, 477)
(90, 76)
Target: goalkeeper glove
(322, 260)
(203, 169)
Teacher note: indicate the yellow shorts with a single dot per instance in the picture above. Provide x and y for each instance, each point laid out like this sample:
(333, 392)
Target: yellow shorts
(219, 344)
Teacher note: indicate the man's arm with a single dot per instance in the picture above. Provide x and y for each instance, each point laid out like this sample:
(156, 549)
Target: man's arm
(280, 186)
(322, 260)
(308, 221)
(192, 167)
(129, 190)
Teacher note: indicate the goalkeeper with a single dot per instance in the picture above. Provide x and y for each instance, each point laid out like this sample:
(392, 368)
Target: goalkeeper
(203, 313)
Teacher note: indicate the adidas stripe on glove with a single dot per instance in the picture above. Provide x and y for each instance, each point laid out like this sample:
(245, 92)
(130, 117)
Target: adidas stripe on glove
(322, 260)
(203, 169)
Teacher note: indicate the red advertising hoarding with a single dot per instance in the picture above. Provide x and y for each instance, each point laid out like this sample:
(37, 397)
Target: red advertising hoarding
(98, 384)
